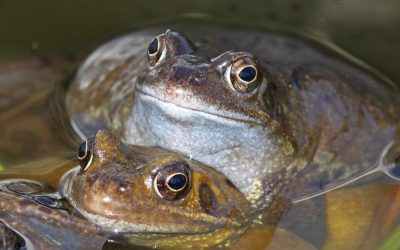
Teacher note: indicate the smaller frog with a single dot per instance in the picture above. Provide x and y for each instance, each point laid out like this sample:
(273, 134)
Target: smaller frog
(152, 197)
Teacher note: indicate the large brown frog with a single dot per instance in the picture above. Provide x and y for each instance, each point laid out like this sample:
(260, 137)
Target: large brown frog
(259, 107)
(151, 197)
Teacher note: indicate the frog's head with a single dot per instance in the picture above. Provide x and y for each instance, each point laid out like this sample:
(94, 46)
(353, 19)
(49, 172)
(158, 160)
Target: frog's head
(221, 110)
(230, 85)
(154, 196)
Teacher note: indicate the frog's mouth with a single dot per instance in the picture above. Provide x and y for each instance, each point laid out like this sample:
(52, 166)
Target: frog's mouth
(228, 142)
(193, 104)
(122, 226)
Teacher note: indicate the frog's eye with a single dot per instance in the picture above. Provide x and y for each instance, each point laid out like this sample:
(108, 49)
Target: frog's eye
(247, 74)
(85, 153)
(243, 75)
(394, 170)
(156, 50)
(173, 181)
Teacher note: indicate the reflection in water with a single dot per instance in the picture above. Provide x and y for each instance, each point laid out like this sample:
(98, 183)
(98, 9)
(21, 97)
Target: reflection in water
(28, 129)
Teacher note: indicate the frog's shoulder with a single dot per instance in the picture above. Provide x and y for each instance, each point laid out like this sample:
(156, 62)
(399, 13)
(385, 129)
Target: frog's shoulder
(106, 78)
(118, 52)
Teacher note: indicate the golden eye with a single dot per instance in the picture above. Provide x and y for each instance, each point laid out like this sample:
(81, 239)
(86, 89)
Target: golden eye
(156, 50)
(85, 153)
(243, 75)
(172, 181)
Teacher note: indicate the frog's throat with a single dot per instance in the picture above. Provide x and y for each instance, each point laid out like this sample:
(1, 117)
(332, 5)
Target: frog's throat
(197, 106)
(219, 237)
(229, 145)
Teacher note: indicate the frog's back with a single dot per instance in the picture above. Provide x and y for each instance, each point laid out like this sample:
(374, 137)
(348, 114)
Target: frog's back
(346, 121)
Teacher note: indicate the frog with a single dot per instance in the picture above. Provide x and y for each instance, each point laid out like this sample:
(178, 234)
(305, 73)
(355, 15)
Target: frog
(153, 197)
(95, 213)
(275, 113)
(34, 84)
(38, 222)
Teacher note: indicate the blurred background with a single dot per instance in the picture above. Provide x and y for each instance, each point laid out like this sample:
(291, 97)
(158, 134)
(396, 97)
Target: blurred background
(369, 29)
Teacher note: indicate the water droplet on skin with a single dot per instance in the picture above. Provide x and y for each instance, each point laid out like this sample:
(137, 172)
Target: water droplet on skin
(47, 201)
(23, 187)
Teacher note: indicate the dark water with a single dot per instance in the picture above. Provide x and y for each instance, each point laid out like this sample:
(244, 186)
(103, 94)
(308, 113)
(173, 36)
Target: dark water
(368, 29)
(357, 217)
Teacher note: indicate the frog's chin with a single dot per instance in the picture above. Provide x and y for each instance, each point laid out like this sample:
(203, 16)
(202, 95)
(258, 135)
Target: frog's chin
(184, 240)
(187, 235)
(193, 105)
(124, 227)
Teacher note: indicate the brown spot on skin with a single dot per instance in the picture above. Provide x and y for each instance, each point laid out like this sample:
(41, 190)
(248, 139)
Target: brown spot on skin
(24, 203)
(92, 178)
(208, 200)
(44, 210)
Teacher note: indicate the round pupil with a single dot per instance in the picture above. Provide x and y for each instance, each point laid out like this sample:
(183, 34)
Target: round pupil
(247, 74)
(396, 168)
(82, 150)
(177, 181)
(153, 46)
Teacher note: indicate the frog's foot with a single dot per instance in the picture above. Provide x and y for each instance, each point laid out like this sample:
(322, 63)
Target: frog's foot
(42, 227)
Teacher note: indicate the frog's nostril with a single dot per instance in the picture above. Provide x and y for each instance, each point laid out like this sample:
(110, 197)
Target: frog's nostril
(124, 186)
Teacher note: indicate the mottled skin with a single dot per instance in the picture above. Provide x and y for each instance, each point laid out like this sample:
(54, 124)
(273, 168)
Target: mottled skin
(312, 116)
(116, 189)
(45, 228)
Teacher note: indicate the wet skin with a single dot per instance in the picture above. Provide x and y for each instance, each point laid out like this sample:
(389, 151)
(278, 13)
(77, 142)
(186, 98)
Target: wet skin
(299, 116)
(41, 226)
(151, 197)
